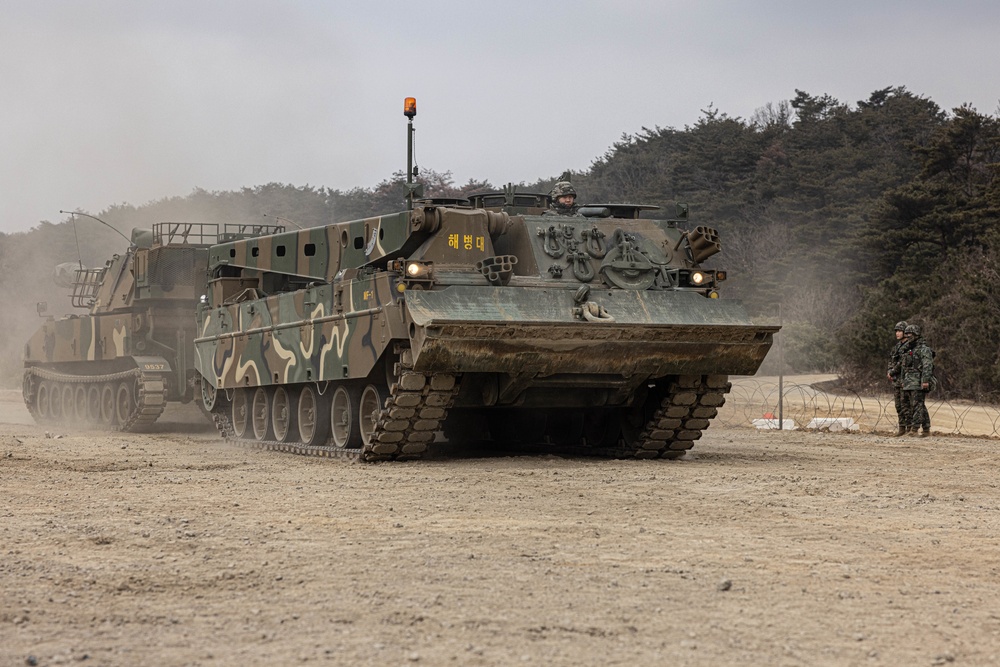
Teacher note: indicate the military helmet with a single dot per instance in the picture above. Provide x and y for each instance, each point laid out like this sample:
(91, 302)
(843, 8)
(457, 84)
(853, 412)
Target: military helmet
(562, 188)
(900, 326)
(912, 329)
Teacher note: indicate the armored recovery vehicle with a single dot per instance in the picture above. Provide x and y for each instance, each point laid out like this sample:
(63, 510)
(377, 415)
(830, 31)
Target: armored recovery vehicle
(116, 366)
(461, 320)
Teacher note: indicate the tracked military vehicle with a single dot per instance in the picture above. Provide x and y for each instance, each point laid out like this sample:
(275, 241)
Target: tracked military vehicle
(592, 333)
(469, 321)
(116, 366)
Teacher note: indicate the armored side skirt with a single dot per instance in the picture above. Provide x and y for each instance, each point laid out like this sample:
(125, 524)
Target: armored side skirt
(652, 333)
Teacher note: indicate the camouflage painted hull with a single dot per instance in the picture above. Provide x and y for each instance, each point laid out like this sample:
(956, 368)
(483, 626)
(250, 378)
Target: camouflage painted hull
(313, 335)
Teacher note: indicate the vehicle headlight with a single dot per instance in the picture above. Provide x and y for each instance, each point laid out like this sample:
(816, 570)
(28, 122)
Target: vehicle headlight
(413, 270)
(697, 277)
(417, 270)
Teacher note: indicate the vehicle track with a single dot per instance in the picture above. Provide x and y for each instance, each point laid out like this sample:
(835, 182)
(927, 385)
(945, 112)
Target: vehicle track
(129, 400)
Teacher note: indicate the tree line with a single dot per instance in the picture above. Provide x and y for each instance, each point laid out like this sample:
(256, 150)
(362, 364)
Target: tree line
(838, 219)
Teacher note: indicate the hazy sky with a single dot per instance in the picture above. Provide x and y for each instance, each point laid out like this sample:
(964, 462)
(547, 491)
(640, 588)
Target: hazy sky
(127, 101)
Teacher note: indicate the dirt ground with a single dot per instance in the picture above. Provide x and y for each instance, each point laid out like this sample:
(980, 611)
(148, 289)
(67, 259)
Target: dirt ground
(762, 548)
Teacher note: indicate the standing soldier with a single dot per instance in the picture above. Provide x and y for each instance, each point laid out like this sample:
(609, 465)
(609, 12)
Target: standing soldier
(918, 366)
(896, 378)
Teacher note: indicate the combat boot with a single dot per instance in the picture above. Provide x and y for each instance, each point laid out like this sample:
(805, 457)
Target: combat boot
(914, 433)
(924, 433)
(900, 431)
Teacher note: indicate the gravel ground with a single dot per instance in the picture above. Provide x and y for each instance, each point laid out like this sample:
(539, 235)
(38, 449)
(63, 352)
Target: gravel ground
(764, 548)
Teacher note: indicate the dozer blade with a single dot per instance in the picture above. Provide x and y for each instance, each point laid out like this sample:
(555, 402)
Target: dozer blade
(464, 329)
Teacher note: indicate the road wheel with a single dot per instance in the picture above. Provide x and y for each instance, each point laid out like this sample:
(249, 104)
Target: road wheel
(260, 414)
(283, 414)
(344, 418)
(108, 404)
(55, 401)
(94, 404)
(68, 402)
(209, 395)
(42, 402)
(312, 416)
(80, 402)
(124, 402)
(369, 410)
(241, 413)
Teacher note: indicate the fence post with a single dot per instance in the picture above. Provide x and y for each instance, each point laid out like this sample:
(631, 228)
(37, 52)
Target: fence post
(781, 376)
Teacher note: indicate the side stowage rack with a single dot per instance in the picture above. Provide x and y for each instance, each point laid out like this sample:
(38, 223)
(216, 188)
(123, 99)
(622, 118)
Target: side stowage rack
(208, 233)
(86, 282)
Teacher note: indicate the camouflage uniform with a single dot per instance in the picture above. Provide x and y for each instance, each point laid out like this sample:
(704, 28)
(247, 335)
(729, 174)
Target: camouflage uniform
(895, 373)
(917, 365)
(561, 189)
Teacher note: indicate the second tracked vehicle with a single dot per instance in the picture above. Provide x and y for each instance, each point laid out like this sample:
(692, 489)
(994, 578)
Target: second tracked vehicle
(116, 366)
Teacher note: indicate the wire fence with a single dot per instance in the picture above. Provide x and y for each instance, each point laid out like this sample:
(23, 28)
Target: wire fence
(757, 402)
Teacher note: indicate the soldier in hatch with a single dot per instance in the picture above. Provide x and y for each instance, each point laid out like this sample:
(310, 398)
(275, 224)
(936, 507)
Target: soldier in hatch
(563, 199)
(917, 366)
(895, 374)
